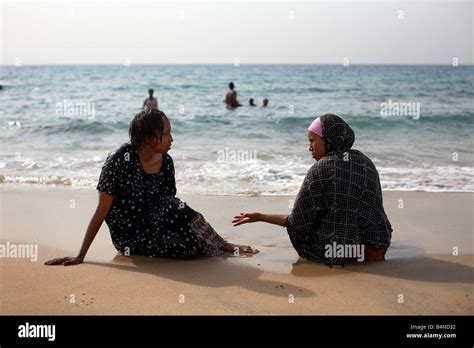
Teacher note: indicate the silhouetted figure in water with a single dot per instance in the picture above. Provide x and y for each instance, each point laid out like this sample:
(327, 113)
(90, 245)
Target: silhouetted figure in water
(231, 98)
(251, 102)
(150, 102)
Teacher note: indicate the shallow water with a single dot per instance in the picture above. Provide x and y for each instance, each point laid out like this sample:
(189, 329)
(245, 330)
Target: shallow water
(60, 122)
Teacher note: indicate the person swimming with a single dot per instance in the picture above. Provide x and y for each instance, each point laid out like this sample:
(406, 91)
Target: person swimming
(150, 102)
(231, 98)
(339, 206)
(251, 102)
(265, 103)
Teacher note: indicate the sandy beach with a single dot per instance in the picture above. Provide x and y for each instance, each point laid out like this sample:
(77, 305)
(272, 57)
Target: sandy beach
(421, 270)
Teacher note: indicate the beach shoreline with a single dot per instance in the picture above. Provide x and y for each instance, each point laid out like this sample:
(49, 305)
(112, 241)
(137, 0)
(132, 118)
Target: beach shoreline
(420, 263)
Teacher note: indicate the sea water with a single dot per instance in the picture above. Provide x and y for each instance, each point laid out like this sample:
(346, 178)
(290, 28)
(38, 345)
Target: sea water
(416, 123)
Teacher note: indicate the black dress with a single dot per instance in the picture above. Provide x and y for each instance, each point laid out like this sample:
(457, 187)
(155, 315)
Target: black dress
(340, 200)
(146, 217)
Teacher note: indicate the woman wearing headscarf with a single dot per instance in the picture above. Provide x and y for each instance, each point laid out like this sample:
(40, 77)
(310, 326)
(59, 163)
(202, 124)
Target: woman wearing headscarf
(340, 202)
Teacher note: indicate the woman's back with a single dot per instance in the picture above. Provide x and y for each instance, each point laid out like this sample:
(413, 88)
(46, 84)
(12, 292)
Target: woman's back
(340, 200)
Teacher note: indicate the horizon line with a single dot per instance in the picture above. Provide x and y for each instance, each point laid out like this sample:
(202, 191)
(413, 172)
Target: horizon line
(229, 64)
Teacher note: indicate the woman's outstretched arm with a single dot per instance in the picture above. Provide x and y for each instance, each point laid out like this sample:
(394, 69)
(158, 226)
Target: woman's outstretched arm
(279, 220)
(105, 203)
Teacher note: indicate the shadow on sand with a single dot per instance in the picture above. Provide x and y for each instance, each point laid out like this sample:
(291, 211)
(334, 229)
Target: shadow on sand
(218, 272)
(403, 262)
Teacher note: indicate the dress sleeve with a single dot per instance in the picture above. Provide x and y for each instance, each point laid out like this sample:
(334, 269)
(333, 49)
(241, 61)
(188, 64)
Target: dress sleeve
(110, 175)
(308, 204)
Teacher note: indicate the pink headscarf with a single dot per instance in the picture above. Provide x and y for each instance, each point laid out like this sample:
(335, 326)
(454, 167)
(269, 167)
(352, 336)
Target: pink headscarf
(316, 127)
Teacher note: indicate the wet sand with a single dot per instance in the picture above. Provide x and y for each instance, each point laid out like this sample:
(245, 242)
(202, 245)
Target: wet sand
(421, 274)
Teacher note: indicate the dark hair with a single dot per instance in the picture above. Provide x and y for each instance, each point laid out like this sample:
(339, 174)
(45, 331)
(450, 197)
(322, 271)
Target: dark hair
(231, 85)
(151, 91)
(144, 128)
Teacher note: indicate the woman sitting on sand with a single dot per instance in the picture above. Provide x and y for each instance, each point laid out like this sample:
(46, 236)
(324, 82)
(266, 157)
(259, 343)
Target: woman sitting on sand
(339, 206)
(137, 200)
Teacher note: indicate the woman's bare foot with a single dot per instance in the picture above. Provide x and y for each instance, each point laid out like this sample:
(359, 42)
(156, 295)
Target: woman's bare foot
(237, 248)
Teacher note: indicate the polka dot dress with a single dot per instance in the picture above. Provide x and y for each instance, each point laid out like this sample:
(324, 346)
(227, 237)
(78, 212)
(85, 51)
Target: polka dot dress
(146, 217)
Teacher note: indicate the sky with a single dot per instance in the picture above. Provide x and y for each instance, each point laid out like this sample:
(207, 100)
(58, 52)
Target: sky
(247, 32)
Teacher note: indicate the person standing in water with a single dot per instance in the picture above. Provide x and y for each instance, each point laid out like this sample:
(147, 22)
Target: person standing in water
(231, 98)
(150, 102)
(339, 206)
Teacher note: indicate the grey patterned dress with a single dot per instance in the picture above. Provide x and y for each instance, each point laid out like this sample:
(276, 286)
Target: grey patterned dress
(146, 217)
(340, 200)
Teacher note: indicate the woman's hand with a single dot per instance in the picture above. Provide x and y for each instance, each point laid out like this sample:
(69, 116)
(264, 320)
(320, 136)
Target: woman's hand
(105, 203)
(279, 220)
(246, 218)
(66, 261)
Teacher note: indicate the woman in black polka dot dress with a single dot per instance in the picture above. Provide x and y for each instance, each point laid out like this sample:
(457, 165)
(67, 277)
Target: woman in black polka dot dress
(137, 199)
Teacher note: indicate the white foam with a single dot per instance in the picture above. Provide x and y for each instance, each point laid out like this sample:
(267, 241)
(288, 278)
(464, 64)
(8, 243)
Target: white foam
(203, 174)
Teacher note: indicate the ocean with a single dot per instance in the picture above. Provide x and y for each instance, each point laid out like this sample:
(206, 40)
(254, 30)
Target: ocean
(416, 123)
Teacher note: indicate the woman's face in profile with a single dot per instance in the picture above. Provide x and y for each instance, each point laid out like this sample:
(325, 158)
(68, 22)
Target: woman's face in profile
(164, 145)
(316, 146)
